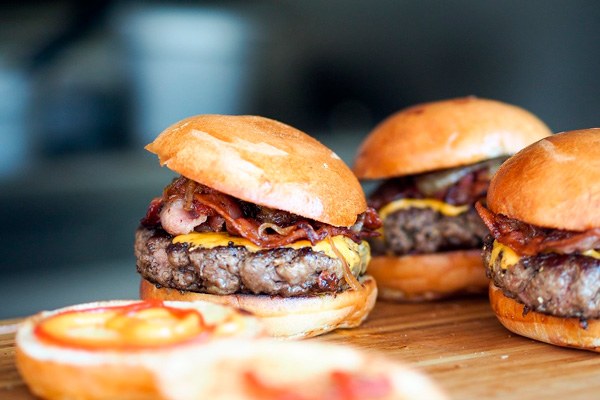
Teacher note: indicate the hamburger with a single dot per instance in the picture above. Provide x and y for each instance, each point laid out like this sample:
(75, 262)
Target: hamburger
(543, 254)
(262, 217)
(433, 161)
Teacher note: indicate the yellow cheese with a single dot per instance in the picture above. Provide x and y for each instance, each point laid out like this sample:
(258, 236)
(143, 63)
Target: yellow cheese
(437, 205)
(356, 255)
(592, 253)
(509, 257)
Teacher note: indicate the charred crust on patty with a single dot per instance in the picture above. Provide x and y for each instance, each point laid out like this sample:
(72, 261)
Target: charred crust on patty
(564, 285)
(425, 231)
(234, 269)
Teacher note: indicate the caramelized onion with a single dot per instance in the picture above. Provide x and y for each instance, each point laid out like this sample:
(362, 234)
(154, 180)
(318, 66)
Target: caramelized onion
(190, 188)
(281, 231)
(434, 182)
(348, 276)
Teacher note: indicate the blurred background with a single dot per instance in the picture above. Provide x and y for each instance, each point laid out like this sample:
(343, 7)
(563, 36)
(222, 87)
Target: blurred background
(85, 85)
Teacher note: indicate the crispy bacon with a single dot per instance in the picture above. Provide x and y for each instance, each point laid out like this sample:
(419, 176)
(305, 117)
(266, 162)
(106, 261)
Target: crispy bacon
(249, 228)
(252, 222)
(471, 184)
(152, 217)
(529, 240)
(371, 219)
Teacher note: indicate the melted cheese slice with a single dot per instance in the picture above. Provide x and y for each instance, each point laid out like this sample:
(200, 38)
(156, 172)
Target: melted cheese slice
(592, 253)
(356, 255)
(437, 205)
(510, 257)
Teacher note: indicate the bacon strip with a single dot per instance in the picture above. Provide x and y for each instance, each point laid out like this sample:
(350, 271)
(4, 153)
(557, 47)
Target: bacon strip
(250, 229)
(529, 240)
(255, 223)
(471, 185)
(152, 217)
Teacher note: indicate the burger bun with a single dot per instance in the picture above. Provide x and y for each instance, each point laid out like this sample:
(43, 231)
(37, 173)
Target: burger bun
(288, 317)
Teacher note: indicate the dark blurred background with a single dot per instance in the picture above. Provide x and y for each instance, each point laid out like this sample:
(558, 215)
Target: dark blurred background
(84, 85)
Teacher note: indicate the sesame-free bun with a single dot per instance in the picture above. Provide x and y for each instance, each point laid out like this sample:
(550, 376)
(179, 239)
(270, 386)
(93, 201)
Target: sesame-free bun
(264, 162)
(232, 367)
(554, 183)
(567, 332)
(299, 370)
(56, 372)
(445, 134)
(288, 317)
(418, 277)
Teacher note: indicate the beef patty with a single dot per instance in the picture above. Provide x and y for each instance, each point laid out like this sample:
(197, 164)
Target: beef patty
(564, 285)
(423, 230)
(234, 269)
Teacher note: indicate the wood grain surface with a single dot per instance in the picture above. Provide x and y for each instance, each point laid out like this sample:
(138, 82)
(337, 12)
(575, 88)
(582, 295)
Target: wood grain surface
(459, 343)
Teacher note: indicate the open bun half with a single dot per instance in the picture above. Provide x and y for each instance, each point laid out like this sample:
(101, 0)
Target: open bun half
(288, 317)
(445, 134)
(227, 368)
(300, 370)
(56, 372)
(265, 162)
(428, 276)
(554, 183)
(567, 332)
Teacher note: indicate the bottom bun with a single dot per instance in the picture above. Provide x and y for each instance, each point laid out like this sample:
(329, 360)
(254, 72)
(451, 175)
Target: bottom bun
(429, 276)
(288, 317)
(567, 332)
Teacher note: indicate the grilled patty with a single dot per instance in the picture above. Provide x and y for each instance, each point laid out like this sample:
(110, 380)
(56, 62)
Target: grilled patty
(234, 269)
(564, 285)
(423, 230)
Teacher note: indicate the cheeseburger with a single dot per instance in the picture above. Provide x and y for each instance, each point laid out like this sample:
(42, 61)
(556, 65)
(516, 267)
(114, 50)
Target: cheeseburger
(263, 217)
(434, 161)
(543, 255)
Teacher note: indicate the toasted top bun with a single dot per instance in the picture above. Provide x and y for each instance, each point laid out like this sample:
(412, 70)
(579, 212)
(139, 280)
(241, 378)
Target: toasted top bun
(265, 162)
(445, 134)
(554, 183)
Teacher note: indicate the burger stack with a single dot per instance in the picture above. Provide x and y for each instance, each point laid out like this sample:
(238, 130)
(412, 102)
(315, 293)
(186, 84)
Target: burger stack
(433, 162)
(543, 253)
(262, 217)
(267, 233)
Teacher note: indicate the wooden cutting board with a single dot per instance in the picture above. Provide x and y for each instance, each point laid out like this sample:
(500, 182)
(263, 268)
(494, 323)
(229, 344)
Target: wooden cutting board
(459, 343)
